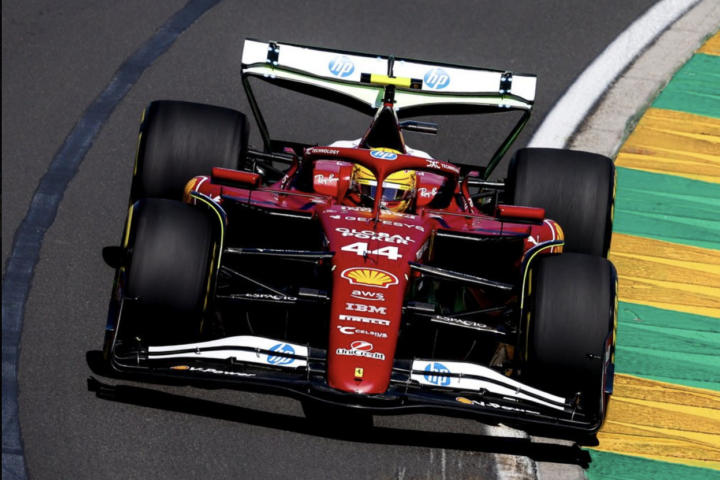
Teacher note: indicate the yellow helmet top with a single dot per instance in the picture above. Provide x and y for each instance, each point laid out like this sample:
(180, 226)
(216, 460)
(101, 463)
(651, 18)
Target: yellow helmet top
(398, 187)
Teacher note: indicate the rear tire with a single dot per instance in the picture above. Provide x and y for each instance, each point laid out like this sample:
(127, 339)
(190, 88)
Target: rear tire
(572, 311)
(181, 140)
(171, 248)
(576, 189)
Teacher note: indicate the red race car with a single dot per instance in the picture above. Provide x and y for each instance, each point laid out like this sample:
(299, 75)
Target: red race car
(366, 274)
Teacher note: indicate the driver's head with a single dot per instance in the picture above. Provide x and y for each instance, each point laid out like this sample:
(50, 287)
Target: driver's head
(397, 192)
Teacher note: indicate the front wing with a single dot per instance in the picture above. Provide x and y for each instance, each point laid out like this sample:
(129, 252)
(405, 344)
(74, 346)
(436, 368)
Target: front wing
(417, 386)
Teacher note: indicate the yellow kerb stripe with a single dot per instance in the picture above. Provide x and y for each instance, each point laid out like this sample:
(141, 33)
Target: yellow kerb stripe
(667, 275)
(712, 46)
(674, 143)
(663, 421)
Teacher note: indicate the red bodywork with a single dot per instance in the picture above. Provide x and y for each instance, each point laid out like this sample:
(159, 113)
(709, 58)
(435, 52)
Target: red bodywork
(373, 246)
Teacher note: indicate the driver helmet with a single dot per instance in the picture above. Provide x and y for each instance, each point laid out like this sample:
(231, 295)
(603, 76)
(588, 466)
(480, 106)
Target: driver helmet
(397, 192)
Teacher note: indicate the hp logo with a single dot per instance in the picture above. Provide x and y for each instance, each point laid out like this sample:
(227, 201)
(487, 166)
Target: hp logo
(437, 79)
(383, 155)
(431, 376)
(341, 66)
(278, 360)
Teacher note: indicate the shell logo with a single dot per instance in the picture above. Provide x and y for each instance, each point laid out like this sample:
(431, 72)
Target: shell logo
(369, 277)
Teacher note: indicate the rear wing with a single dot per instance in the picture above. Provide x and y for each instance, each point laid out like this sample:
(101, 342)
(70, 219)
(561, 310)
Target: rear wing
(363, 77)
(364, 82)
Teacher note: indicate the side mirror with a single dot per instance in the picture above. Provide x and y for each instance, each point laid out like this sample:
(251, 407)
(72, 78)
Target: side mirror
(514, 212)
(419, 127)
(235, 178)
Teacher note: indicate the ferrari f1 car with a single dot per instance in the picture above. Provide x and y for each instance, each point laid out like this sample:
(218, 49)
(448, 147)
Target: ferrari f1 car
(364, 274)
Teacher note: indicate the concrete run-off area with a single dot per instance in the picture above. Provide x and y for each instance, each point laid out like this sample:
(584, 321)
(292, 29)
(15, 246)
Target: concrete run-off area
(616, 114)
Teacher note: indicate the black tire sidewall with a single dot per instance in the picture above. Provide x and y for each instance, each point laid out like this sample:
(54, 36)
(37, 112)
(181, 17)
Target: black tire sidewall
(170, 251)
(576, 189)
(572, 311)
(181, 140)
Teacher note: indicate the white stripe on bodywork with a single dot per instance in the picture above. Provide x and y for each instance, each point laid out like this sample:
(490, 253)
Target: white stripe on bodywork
(552, 228)
(511, 390)
(199, 351)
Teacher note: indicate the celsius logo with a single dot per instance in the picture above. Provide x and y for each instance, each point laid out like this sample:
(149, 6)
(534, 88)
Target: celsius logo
(383, 155)
(341, 66)
(437, 79)
(355, 330)
(431, 376)
(277, 359)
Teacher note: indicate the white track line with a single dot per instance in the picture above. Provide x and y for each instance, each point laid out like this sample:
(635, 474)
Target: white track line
(569, 112)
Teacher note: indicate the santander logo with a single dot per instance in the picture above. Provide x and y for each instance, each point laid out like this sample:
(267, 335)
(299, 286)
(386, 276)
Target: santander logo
(362, 346)
(361, 349)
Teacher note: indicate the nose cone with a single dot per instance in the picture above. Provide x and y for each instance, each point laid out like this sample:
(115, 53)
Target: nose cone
(347, 383)
(370, 276)
(360, 357)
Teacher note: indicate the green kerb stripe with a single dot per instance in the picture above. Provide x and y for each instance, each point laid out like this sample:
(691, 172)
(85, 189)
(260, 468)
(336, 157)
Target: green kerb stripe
(695, 88)
(613, 466)
(668, 346)
(669, 208)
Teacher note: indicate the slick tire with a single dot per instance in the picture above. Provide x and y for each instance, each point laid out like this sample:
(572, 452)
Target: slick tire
(171, 250)
(181, 140)
(576, 189)
(571, 314)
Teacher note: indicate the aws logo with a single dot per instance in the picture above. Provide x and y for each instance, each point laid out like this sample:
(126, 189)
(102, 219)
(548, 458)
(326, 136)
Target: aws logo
(341, 66)
(436, 79)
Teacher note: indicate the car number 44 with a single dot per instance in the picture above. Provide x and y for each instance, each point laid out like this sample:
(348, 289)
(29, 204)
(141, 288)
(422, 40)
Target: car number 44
(361, 248)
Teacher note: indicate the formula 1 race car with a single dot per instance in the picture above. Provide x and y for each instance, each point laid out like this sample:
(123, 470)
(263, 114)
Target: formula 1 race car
(366, 274)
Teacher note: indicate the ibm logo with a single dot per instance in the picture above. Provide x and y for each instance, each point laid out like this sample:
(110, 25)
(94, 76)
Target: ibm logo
(359, 307)
(437, 79)
(431, 376)
(341, 66)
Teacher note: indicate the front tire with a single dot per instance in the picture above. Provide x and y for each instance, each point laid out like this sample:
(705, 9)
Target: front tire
(181, 140)
(576, 189)
(171, 251)
(571, 315)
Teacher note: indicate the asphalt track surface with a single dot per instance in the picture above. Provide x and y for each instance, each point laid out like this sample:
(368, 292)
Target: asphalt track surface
(57, 57)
